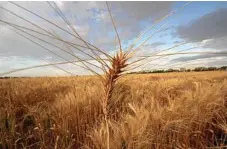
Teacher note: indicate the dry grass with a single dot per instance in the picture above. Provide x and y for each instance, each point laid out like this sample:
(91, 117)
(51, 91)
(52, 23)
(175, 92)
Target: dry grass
(173, 110)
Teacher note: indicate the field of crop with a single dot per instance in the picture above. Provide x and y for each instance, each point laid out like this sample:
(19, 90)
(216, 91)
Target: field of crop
(146, 111)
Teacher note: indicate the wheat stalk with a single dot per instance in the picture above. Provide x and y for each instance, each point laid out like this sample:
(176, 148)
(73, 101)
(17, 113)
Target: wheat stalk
(111, 76)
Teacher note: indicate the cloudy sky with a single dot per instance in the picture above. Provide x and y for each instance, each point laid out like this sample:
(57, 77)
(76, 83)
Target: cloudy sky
(196, 26)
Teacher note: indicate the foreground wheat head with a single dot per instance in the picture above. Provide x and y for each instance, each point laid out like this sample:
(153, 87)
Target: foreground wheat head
(118, 63)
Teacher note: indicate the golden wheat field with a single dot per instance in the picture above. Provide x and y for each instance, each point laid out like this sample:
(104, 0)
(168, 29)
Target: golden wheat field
(146, 111)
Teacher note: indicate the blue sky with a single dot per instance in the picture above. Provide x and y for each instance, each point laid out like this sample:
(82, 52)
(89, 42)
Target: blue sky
(198, 24)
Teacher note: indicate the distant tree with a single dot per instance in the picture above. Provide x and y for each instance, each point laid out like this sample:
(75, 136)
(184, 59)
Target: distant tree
(188, 70)
(158, 71)
(200, 69)
(211, 68)
(182, 69)
(223, 68)
(172, 70)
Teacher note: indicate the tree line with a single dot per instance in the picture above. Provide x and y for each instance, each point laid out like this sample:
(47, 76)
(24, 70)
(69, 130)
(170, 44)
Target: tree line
(197, 69)
(223, 68)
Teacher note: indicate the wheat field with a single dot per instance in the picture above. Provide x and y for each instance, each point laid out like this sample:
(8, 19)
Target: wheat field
(146, 111)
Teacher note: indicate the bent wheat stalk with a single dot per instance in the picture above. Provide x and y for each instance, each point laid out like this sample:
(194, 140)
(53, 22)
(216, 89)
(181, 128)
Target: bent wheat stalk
(111, 76)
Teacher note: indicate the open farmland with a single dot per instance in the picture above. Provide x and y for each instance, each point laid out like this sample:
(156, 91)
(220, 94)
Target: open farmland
(171, 110)
(130, 75)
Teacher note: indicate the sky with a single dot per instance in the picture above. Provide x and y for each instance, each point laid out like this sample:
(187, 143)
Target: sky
(201, 25)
